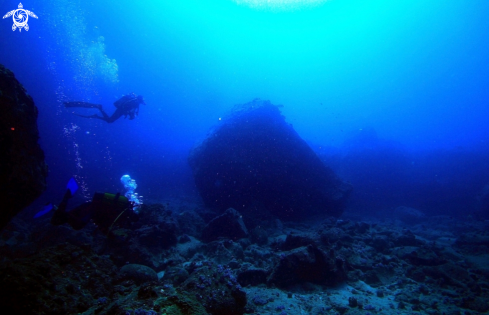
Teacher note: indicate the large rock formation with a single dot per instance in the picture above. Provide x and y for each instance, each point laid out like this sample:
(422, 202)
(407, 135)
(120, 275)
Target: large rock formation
(22, 168)
(255, 156)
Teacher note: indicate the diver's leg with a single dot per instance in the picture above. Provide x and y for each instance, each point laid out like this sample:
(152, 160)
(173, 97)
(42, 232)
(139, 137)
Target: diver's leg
(116, 115)
(106, 117)
(89, 105)
(60, 215)
(82, 104)
(94, 116)
(112, 118)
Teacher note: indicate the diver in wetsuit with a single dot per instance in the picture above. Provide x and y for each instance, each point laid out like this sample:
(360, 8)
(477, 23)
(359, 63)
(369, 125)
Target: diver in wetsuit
(128, 105)
(105, 210)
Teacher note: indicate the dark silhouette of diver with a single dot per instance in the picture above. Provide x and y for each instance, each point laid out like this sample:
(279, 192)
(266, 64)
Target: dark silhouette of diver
(105, 210)
(128, 105)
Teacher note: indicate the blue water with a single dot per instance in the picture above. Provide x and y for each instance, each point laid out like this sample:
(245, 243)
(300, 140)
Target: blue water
(415, 72)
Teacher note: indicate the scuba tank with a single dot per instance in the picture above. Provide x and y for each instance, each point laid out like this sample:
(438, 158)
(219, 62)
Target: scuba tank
(121, 103)
(111, 200)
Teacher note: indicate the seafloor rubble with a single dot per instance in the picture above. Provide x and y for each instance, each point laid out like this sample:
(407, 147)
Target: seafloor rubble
(161, 264)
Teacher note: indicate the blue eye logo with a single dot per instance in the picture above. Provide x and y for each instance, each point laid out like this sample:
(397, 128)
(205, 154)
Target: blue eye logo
(20, 18)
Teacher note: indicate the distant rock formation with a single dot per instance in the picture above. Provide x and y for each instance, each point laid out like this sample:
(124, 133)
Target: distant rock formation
(22, 168)
(409, 215)
(255, 156)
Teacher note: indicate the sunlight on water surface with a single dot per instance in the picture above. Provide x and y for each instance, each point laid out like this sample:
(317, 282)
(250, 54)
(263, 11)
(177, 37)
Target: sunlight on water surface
(280, 5)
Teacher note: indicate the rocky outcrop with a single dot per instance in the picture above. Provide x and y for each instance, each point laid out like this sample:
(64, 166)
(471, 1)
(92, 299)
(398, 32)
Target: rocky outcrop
(255, 156)
(306, 264)
(22, 168)
(138, 273)
(409, 215)
(252, 276)
(229, 225)
(37, 284)
(217, 289)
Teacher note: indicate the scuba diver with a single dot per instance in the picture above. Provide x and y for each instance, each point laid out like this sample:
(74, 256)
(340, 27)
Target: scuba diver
(105, 210)
(128, 105)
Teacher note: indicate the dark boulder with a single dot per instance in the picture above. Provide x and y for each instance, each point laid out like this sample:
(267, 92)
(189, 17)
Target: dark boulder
(158, 229)
(307, 264)
(63, 279)
(424, 257)
(294, 241)
(217, 289)
(138, 273)
(158, 237)
(407, 238)
(473, 238)
(22, 168)
(228, 225)
(252, 276)
(409, 215)
(254, 155)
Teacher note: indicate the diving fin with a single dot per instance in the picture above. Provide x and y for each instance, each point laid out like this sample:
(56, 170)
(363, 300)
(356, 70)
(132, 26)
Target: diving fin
(44, 210)
(72, 186)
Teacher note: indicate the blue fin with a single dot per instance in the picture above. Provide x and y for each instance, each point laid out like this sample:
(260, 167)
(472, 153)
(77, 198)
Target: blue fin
(72, 186)
(44, 210)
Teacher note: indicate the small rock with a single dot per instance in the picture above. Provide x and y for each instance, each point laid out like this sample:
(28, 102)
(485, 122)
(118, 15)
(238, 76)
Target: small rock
(352, 302)
(409, 215)
(138, 273)
(252, 277)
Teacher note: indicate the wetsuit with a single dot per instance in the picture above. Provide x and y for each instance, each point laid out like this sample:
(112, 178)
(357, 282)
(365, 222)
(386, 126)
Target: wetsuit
(104, 210)
(127, 105)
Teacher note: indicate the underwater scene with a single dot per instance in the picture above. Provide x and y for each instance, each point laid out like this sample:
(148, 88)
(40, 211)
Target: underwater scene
(230, 157)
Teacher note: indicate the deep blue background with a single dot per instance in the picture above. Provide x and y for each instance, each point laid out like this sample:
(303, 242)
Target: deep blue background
(392, 94)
